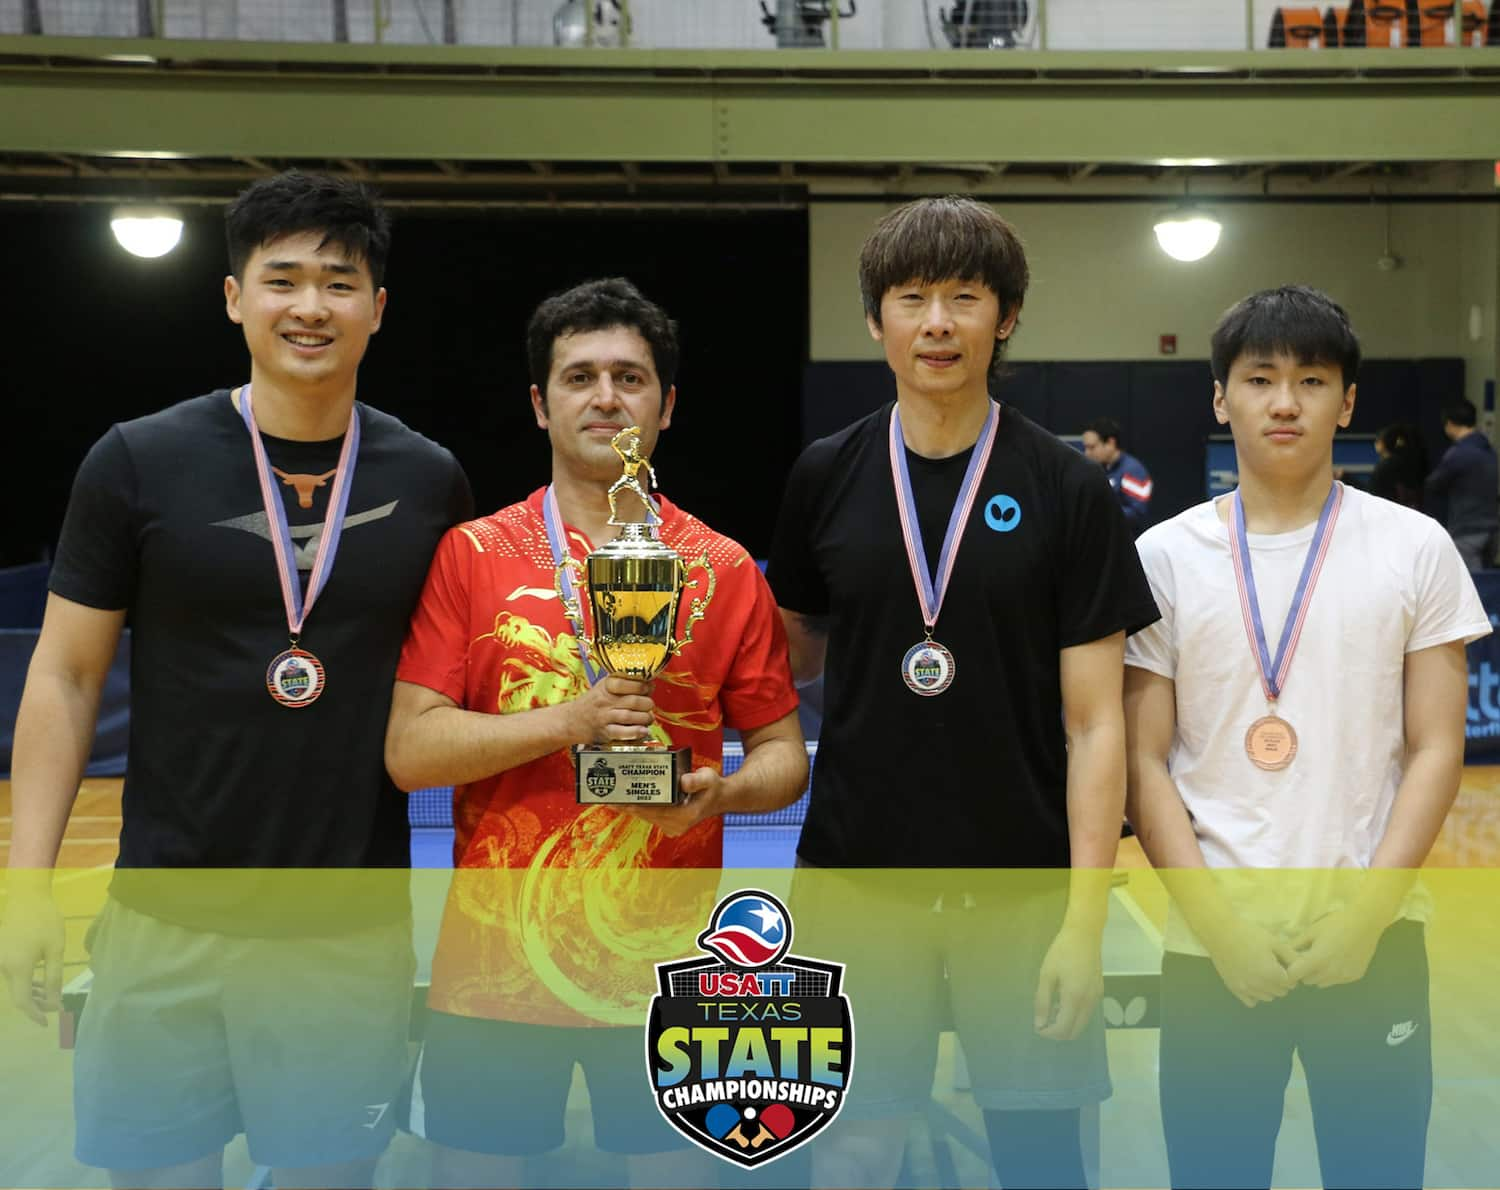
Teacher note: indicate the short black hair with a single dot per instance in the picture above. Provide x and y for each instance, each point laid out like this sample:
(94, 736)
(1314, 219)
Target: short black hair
(1461, 412)
(344, 212)
(944, 239)
(1294, 320)
(1106, 428)
(597, 306)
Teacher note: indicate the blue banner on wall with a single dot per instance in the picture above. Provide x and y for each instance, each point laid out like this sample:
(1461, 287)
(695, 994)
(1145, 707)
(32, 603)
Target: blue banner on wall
(1354, 459)
(1482, 730)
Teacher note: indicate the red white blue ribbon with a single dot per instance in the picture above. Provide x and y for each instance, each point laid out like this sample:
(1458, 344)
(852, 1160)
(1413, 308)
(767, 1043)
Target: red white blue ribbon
(299, 606)
(557, 538)
(930, 592)
(1273, 673)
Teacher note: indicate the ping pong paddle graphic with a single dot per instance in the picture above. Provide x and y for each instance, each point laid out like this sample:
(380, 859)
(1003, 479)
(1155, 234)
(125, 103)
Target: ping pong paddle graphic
(778, 1120)
(721, 1120)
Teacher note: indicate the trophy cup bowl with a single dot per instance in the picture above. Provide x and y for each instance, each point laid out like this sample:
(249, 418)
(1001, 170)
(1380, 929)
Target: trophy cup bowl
(633, 588)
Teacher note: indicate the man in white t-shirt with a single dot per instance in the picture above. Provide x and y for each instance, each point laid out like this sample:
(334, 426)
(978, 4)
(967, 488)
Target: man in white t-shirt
(1300, 705)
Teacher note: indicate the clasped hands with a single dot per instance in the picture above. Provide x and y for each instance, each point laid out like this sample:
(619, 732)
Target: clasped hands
(1258, 967)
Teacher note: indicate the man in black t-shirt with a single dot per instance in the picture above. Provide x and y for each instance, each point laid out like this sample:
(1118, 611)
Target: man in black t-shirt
(268, 545)
(964, 583)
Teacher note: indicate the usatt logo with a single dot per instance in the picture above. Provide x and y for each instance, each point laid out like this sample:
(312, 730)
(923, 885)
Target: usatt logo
(600, 778)
(750, 1049)
(927, 668)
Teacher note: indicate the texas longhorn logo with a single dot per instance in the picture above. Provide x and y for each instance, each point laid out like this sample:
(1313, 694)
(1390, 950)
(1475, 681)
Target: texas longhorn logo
(750, 1049)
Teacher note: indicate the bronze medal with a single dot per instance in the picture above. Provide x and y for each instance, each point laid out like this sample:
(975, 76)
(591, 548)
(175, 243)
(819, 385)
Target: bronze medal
(1271, 743)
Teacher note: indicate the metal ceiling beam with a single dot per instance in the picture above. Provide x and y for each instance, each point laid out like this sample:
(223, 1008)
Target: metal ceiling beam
(81, 96)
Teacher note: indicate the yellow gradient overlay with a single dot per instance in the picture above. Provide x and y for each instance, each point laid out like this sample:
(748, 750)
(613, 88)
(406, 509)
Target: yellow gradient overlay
(592, 938)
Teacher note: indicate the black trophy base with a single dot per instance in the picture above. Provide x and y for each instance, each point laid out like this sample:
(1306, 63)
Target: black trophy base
(630, 774)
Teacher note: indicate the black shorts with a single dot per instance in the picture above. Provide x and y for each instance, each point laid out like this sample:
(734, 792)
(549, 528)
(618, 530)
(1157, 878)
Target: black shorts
(501, 1088)
(189, 1038)
(926, 952)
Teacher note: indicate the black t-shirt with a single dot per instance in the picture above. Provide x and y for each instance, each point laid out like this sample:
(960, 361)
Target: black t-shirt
(166, 519)
(975, 776)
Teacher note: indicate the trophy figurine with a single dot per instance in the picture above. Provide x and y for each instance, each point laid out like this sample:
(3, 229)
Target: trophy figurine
(633, 588)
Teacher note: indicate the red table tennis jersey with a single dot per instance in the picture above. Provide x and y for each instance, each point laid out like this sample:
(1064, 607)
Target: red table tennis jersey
(558, 911)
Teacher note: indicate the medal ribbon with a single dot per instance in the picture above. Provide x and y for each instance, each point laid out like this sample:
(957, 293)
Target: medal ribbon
(557, 538)
(298, 607)
(929, 593)
(1273, 675)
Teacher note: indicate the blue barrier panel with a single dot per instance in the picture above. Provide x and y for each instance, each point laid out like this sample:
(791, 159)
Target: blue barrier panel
(1482, 729)
(111, 733)
(23, 594)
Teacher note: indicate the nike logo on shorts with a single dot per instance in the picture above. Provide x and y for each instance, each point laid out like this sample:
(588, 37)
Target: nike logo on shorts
(1400, 1033)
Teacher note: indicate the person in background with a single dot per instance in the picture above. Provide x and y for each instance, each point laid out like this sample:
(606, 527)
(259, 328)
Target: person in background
(1468, 478)
(1402, 467)
(1127, 474)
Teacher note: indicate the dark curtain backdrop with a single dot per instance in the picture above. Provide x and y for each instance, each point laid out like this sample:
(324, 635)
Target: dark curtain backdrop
(93, 336)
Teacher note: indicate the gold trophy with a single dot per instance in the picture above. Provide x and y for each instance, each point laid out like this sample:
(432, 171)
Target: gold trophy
(634, 587)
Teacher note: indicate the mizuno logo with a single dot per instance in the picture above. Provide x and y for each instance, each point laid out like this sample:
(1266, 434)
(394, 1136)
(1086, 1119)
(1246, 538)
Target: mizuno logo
(305, 538)
(1400, 1033)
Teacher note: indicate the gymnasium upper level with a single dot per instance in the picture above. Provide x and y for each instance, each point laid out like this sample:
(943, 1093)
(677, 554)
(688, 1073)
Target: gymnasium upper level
(749, 99)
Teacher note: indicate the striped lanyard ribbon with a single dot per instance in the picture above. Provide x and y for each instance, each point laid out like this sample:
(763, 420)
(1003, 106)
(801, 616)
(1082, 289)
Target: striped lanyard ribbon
(930, 593)
(1273, 674)
(557, 538)
(298, 607)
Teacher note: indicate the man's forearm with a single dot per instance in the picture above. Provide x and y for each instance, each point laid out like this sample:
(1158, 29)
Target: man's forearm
(1161, 823)
(1423, 800)
(1096, 809)
(451, 746)
(773, 775)
(54, 733)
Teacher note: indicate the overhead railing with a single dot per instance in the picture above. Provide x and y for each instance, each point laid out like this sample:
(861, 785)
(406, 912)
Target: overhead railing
(995, 26)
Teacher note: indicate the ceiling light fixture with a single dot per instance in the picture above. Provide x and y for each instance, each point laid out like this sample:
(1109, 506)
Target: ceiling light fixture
(1188, 234)
(146, 231)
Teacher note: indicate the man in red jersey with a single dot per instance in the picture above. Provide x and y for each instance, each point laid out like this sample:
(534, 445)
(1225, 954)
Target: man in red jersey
(546, 954)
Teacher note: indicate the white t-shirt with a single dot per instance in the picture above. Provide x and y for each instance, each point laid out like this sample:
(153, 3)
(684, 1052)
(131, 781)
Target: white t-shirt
(1392, 583)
